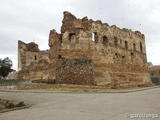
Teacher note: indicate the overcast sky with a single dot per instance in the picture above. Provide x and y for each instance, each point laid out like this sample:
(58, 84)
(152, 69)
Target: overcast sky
(31, 21)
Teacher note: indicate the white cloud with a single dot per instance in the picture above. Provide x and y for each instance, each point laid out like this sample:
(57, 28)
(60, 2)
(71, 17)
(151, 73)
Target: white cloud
(31, 20)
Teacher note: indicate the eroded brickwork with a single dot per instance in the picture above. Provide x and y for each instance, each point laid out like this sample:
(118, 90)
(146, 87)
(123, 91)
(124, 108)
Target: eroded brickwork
(32, 63)
(75, 71)
(118, 55)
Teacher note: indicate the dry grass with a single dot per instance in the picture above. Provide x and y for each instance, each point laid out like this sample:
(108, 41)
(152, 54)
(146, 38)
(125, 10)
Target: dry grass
(98, 90)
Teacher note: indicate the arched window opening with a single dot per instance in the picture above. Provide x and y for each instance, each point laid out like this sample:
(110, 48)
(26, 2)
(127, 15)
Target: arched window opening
(126, 45)
(70, 36)
(59, 56)
(95, 37)
(105, 40)
(115, 41)
(35, 57)
(132, 54)
(141, 47)
(134, 46)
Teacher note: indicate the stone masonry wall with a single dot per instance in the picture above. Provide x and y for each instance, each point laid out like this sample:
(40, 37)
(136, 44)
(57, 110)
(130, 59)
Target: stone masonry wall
(118, 55)
(75, 71)
(30, 54)
(113, 50)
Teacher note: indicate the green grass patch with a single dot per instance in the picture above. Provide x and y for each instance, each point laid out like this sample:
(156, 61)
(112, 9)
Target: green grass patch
(20, 104)
(12, 81)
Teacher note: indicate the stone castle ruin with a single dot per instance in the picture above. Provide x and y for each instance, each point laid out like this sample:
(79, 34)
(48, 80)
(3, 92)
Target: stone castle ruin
(87, 52)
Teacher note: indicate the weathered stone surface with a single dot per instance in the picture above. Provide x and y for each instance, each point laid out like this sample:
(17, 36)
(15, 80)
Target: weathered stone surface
(116, 54)
(75, 71)
(30, 54)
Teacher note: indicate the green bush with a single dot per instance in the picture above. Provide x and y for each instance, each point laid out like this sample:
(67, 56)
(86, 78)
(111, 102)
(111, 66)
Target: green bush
(20, 104)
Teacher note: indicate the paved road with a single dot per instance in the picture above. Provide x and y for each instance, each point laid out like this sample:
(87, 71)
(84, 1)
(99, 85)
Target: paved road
(84, 106)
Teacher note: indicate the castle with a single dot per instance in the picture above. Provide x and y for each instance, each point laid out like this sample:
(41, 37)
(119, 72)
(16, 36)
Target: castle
(87, 52)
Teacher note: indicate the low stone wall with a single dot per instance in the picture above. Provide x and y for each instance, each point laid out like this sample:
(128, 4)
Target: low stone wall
(14, 82)
(75, 71)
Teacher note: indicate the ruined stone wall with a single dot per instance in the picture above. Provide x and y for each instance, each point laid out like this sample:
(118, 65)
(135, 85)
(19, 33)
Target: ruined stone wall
(113, 50)
(29, 54)
(118, 55)
(107, 41)
(32, 63)
(75, 71)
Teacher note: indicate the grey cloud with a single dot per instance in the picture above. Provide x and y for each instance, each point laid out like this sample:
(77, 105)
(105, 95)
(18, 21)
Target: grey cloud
(31, 20)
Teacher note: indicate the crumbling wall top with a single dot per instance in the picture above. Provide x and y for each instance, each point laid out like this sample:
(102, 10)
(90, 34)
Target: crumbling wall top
(33, 47)
(70, 22)
(68, 15)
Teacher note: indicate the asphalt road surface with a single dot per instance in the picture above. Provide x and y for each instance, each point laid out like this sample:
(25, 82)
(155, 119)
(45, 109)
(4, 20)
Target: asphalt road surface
(85, 106)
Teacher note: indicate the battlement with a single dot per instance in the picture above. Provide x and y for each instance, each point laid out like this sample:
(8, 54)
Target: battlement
(71, 22)
(75, 31)
(33, 47)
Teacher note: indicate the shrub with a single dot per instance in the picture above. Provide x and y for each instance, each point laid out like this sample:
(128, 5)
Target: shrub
(20, 104)
(9, 105)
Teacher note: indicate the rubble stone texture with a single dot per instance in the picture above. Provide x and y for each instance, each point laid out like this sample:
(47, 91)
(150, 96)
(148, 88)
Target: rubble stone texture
(117, 56)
